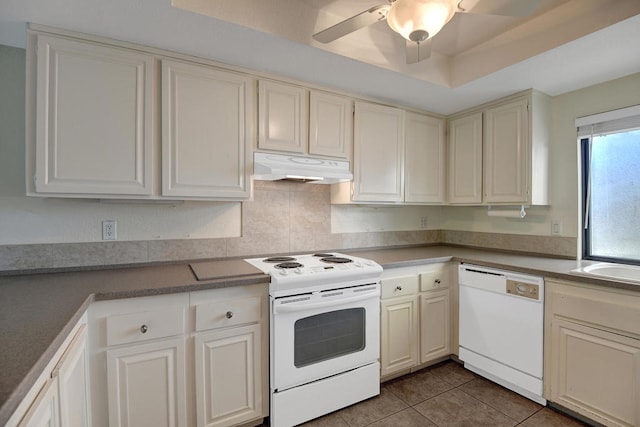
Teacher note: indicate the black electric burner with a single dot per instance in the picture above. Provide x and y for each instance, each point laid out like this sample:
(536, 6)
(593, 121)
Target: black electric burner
(323, 255)
(279, 259)
(286, 265)
(336, 260)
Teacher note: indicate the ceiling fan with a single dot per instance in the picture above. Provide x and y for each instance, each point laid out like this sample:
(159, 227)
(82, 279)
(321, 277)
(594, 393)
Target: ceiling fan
(419, 20)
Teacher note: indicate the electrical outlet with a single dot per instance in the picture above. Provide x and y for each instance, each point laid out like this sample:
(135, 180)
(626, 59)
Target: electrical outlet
(423, 222)
(556, 227)
(109, 229)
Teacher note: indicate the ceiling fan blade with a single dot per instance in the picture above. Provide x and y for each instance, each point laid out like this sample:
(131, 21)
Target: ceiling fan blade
(361, 20)
(499, 7)
(417, 52)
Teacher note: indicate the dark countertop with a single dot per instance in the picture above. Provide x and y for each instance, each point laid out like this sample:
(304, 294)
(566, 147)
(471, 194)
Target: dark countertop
(37, 311)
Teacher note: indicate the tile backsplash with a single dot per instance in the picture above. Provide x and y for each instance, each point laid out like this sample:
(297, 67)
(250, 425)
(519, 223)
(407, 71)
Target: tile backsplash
(282, 218)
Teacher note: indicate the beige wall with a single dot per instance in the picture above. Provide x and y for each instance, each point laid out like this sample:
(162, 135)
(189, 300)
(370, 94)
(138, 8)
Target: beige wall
(564, 193)
(28, 220)
(25, 220)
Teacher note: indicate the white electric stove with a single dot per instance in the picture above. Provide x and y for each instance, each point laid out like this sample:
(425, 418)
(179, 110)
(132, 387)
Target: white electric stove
(324, 333)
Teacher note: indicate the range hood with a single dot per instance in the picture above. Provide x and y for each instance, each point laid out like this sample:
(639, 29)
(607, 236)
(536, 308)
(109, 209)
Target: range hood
(275, 167)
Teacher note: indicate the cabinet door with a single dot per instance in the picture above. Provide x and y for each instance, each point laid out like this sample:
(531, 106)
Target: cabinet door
(146, 384)
(228, 376)
(506, 153)
(94, 131)
(44, 411)
(465, 159)
(206, 131)
(72, 382)
(378, 153)
(398, 334)
(424, 159)
(330, 125)
(282, 117)
(434, 325)
(596, 373)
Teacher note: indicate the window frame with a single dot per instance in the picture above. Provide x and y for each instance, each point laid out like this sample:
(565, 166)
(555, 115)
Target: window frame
(585, 152)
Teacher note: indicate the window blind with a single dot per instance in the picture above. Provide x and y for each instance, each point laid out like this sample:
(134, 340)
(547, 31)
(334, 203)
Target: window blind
(611, 121)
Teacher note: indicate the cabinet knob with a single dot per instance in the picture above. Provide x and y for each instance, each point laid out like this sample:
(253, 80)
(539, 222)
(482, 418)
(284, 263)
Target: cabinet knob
(229, 314)
(144, 329)
(437, 282)
(398, 288)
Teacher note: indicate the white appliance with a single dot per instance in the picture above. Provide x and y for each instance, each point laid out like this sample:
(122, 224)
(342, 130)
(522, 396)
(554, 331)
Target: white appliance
(324, 333)
(501, 327)
(274, 167)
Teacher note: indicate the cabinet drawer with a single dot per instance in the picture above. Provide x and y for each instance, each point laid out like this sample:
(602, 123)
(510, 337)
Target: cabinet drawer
(399, 286)
(433, 280)
(231, 312)
(145, 325)
(617, 312)
(433, 277)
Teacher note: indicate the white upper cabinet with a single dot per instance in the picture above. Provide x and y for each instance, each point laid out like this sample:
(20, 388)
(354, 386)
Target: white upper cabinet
(206, 131)
(378, 153)
(282, 117)
(106, 120)
(296, 120)
(330, 125)
(398, 158)
(465, 160)
(516, 150)
(506, 152)
(424, 161)
(93, 119)
(499, 153)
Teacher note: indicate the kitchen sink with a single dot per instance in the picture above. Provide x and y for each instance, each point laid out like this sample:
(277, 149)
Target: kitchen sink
(623, 272)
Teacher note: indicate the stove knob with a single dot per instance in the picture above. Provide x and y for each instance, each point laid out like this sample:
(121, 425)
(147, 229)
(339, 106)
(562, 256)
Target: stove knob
(284, 272)
(297, 270)
(358, 264)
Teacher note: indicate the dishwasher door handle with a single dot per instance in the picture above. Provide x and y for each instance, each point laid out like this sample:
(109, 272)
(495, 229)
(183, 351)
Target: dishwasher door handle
(476, 271)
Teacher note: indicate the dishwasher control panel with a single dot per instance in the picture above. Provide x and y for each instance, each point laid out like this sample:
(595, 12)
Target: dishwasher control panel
(527, 290)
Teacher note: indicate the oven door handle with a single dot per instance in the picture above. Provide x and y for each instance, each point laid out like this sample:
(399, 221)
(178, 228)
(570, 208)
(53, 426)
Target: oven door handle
(306, 306)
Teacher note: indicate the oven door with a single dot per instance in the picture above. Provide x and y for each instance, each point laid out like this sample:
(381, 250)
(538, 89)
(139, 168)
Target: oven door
(317, 335)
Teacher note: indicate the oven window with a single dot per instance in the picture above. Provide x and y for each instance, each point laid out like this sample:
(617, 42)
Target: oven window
(329, 335)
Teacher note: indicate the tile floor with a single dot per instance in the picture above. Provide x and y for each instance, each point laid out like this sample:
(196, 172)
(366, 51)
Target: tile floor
(445, 395)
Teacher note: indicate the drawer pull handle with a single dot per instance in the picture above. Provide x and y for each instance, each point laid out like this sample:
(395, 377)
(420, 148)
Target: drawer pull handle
(229, 314)
(144, 329)
(398, 288)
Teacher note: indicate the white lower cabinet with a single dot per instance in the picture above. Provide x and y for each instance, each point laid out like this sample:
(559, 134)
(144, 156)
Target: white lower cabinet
(146, 384)
(399, 334)
(45, 409)
(228, 376)
(592, 351)
(231, 347)
(414, 315)
(137, 361)
(71, 374)
(435, 330)
(184, 359)
(59, 396)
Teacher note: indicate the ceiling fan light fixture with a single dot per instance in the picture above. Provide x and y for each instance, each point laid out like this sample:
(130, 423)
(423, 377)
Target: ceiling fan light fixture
(419, 20)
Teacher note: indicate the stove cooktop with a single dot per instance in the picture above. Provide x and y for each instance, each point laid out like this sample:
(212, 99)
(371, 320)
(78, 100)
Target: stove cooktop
(316, 271)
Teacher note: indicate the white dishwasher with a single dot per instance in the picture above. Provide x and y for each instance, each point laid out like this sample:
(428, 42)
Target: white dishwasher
(501, 327)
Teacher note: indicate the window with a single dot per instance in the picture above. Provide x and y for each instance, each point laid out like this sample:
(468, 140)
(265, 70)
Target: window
(611, 186)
